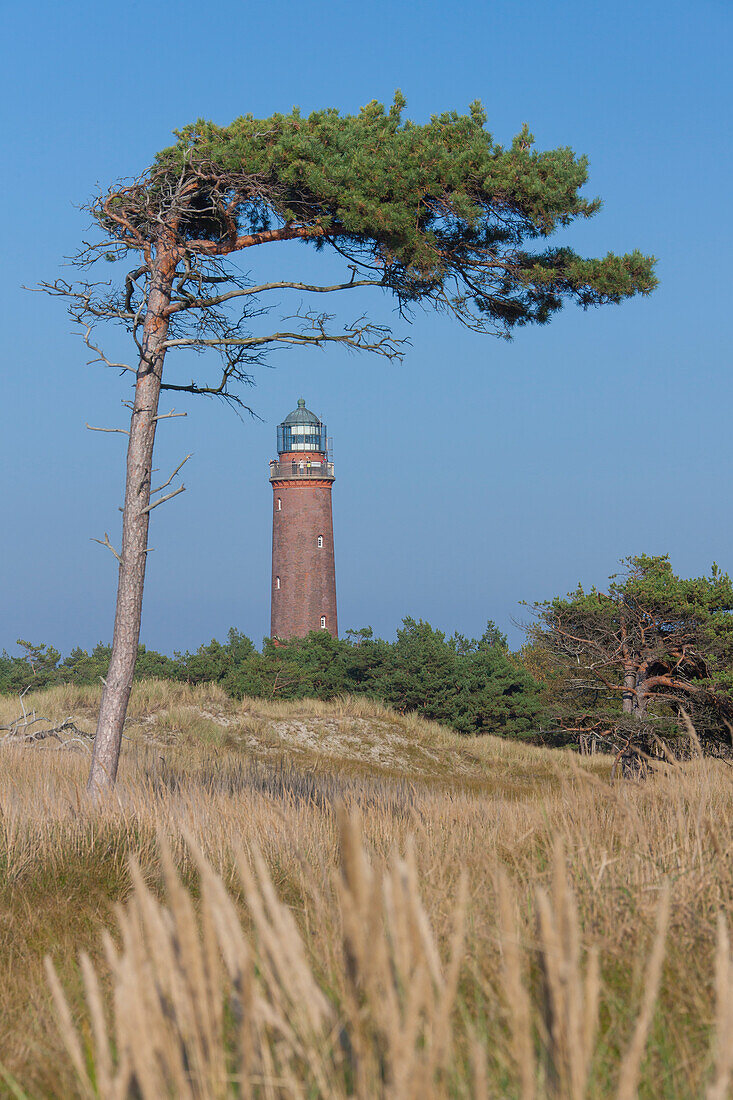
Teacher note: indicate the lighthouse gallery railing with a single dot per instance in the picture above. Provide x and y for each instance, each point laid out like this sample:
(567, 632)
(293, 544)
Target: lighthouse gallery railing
(288, 470)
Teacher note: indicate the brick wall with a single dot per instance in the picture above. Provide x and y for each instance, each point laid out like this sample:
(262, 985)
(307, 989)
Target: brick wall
(306, 571)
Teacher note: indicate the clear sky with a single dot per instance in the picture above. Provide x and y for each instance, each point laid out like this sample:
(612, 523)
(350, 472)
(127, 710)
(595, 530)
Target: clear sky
(478, 473)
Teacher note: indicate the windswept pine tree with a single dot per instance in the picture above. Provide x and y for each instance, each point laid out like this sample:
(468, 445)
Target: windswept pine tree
(437, 214)
(637, 661)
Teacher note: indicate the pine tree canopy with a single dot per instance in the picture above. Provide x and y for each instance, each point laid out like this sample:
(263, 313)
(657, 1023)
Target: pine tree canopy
(440, 211)
(660, 643)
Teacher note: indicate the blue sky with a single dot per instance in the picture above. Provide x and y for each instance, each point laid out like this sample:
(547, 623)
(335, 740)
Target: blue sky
(477, 473)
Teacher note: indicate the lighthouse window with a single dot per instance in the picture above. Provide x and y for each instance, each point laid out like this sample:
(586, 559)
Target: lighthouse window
(279, 504)
(301, 437)
(323, 622)
(320, 544)
(277, 582)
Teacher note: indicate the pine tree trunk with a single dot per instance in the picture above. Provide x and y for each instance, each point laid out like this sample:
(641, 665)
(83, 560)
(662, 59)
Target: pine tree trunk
(135, 522)
(642, 698)
(629, 698)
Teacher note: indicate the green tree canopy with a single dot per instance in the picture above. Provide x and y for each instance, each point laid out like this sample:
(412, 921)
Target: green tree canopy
(469, 684)
(634, 659)
(440, 211)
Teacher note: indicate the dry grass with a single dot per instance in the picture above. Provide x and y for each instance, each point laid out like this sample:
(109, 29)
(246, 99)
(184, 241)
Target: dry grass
(502, 922)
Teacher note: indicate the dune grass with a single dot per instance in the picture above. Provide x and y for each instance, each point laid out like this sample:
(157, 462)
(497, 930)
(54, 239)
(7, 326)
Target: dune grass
(291, 911)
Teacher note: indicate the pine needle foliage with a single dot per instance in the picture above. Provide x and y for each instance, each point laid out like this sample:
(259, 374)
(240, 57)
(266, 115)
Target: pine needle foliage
(442, 211)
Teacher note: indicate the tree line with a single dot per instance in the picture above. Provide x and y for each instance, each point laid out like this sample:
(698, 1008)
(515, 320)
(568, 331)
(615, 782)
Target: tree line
(643, 665)
(471, 684)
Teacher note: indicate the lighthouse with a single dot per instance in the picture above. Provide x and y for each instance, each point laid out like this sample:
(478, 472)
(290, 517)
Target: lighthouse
(303, 567)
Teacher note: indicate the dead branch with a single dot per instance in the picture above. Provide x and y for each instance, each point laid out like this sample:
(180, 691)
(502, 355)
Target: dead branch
(20, 733)
(122, 431)
(67, 726)
(162, 500)
(170, 479)
(192, 302)
(108, 544)
(358, 338)
(102, 358)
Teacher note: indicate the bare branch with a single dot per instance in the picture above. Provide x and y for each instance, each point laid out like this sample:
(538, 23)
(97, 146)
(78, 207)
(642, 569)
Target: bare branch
(87, 299)
(122, 431)
(109, 546)
(162, 500)
(167, 416)
(250, 341)
(101, 357)
(130, 280)
(212, 391)
(242, 292)
(170, 479)
(361, 336)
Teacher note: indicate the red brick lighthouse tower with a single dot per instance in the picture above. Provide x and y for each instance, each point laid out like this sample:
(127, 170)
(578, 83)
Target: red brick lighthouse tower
(303, 570)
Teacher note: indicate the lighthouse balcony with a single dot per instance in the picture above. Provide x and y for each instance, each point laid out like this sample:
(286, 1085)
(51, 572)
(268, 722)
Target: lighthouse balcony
(295, 470)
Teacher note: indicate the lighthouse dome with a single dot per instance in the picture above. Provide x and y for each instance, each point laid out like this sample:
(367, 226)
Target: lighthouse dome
(301, 415)
(301, 430)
